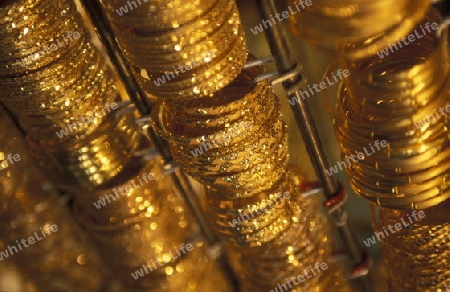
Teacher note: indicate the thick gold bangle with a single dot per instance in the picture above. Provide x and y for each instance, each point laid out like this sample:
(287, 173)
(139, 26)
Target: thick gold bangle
(85, 164)
(157, 16)
(167, 42)
(356, 38)
(213, 77)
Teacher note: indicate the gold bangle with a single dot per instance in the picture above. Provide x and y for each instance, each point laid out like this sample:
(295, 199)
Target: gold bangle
(360, 38)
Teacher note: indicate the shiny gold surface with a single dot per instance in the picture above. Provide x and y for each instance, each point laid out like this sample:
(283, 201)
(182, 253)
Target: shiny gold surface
(231, 138)
(27, 203)
(385, 99)
(148, 222)
(137, 228)
(243, 165)
(417, 256)
(289, 251)
(356, 28)
(389, 98)
(52, 99)
(188, 56)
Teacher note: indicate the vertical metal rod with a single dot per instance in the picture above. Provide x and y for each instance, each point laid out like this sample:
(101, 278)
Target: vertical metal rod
(105, 33)
(278, 46)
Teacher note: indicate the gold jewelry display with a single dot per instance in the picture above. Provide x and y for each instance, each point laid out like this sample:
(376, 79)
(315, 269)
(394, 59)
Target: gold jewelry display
(393, 93)
(422, 251)
(28, 206)
(186, 68)
(231, 138)
(410, 173)
(193, 55)
(355, 29)
(66, 102)
(243, 166)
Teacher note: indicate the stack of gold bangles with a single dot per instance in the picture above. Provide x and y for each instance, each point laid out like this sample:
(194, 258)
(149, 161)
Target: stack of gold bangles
(65, 100)
(419, 250)
(133, 215)
(252, 196)
(397, 91)
(64, 103)
(233, 160)
(412, 171)
(356, 28)
(280, 241)
(186, 41)
(61, 261)
(227, 133)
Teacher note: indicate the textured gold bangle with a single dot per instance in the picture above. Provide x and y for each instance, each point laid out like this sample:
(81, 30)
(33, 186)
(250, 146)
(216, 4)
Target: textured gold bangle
(216, 31)
(84, 164)
(355, 34)
(24, 43)
(200, 30)
(391, 99)
(422, 251)
(158, 15)
(213, 77)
